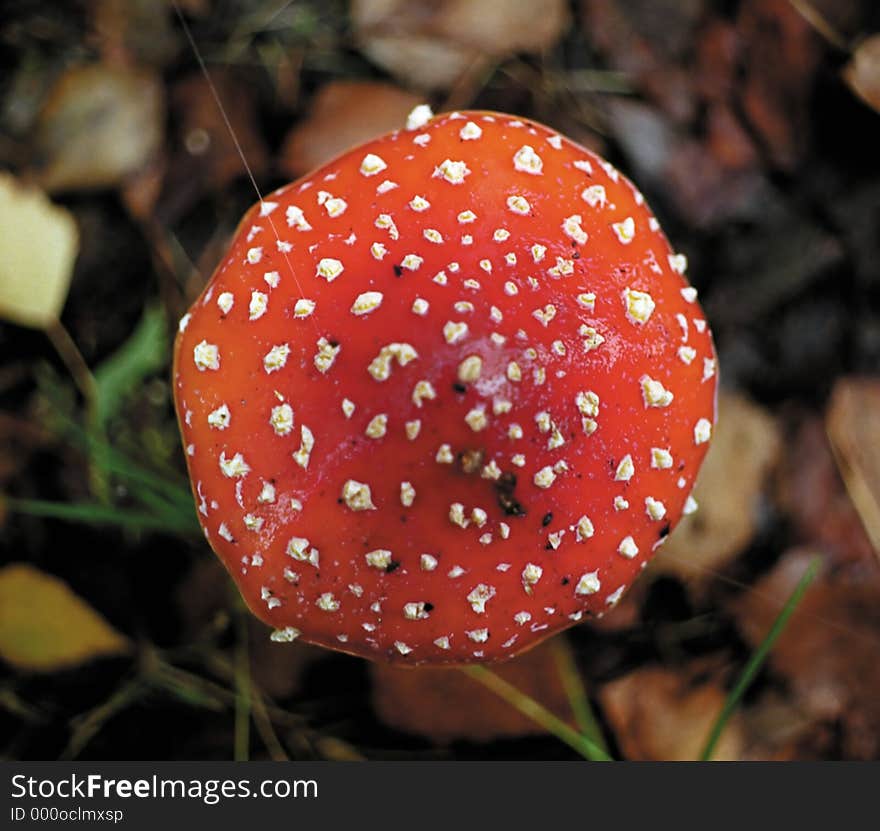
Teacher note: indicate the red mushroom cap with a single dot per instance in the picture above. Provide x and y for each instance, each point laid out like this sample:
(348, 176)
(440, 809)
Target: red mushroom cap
(446, 395)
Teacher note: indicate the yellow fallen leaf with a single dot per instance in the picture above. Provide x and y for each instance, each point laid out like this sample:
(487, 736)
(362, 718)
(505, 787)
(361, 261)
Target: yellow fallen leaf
(45, 627)
(38, 246)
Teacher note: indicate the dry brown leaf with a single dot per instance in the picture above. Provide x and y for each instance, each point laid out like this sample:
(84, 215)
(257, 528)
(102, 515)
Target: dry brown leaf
(205, 158)
(429, 45)
(776, 93)
(38, 247)
(344, 114)
(862, 73)
(648, 42)
(745, 446)
(45, 627)
(504, 26)
(658, 714)
(781, 731)
(445, 705)
(99, 125)
(426, 63)
(853, 423)
(727, 140)
(830, 650)
(813, 495)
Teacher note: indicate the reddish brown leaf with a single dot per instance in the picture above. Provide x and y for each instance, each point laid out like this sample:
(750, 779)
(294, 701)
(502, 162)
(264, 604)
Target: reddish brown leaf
(658, 714)
(444, 704)
(634, 43)
(205, 158)
(343, 114)
(829, 651)
(812, 493)
(776, 91)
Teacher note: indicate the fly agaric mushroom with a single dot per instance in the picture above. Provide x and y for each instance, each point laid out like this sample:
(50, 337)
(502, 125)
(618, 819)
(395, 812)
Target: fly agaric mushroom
(446, 395)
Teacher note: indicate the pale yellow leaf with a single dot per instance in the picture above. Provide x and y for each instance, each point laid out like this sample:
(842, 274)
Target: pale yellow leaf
(862, 73)
(45, 627)
(853, 423)
(430, 45)
(38, 246)
(729, 490)
(99, 125)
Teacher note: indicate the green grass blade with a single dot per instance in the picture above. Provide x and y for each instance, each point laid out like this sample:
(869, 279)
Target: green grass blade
(174, 494)
(162, 507)
(172, 491)
(757, 659)
(538, 713)
(573, 685)
(123, 465)
(98, 514)
(143, 354)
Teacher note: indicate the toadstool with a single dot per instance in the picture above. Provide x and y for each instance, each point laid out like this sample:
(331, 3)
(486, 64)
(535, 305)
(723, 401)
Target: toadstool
(446, 395)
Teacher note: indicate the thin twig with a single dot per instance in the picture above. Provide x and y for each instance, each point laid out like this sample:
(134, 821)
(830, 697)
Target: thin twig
(72, 358)
(263, 723)
(242, 688)
(86, 726)
(820, 23)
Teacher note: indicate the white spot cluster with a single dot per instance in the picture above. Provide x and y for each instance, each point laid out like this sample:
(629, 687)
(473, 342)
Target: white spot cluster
(358, 496)
(276, 358)
(452, 172)
(366, 302)
(281, 419)
(639, 305)
(380, 366)
(329, 268)
(207, 356)
(325, 357)
(219, 418)
(372, 164)
(527, 160)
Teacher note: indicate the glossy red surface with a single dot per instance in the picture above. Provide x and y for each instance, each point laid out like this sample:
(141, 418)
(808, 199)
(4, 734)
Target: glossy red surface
(368, 610)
